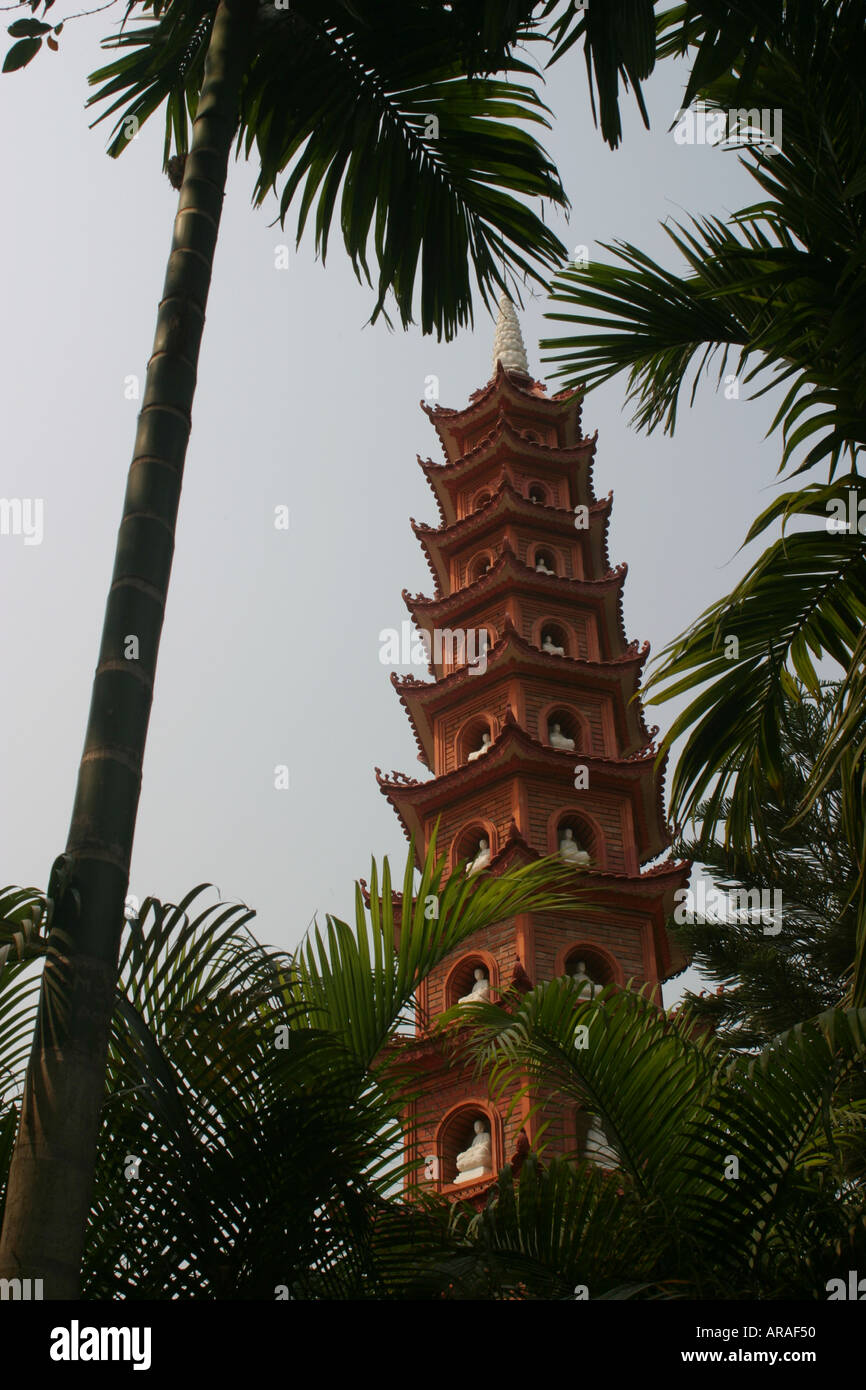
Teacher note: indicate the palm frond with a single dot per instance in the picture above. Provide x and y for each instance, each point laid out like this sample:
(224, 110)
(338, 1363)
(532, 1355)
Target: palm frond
(368, 114)
(804, 600)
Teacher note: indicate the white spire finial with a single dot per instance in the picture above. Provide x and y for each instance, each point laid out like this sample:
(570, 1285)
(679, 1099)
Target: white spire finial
(508, 340)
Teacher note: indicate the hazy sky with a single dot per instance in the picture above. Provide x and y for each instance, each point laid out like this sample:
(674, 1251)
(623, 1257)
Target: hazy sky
(270, 652)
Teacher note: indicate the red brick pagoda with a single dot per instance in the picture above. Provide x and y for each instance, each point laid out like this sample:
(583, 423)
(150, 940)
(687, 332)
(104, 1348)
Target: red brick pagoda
(534, 742)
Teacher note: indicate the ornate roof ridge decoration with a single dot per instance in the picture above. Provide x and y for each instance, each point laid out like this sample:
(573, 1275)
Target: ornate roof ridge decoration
(428, 478)
(398, 779)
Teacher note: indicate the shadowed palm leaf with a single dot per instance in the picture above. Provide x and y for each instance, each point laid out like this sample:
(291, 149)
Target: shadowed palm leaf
(783, 281)
(676, 1111)
(234, 1161)
(366, 113)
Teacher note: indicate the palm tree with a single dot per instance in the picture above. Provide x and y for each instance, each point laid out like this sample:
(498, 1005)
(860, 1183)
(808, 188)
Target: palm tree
(779, 290)
(337, 95)
(726, 1178)
(251, 1136)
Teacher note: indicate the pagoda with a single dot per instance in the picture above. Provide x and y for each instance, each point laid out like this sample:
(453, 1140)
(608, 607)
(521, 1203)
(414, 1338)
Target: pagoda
(535, 744)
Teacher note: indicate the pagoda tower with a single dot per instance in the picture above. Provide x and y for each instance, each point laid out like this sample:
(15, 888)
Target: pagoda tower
(532, 737)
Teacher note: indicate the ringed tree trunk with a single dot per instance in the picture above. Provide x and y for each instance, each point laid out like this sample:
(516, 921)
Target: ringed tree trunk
(51, 1175)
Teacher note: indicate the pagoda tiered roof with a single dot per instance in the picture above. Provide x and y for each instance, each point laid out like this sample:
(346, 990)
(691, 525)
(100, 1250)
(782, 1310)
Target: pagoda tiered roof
(508, 574)
(515, 751)
(505, 390)
(508, 503)
(502, 446)
(422, 700)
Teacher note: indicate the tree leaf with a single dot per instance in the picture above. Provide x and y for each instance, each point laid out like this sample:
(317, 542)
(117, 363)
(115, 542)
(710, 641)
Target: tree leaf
(21, 53)
(28, 29)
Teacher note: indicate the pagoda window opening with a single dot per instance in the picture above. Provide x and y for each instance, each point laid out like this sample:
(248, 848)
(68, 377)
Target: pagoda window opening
(545, 561)
(538, 493)
(470, 980)
(479, 566)
(554, 639)
(562, 729)
(590, 970)
(475, 844)
(573, 843)
(481, 500)
(474, 740)
(466, 1146)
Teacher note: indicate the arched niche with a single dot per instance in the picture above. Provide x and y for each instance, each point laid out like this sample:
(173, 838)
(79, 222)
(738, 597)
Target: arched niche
(584, 831)
(465, 844)
(461, 978)
(602, 968)
(544, 555)
(479, 565)
(470, 737)
(538, 493)
(481, 499)
(558, 635)
(572, 724)
(456, 1133)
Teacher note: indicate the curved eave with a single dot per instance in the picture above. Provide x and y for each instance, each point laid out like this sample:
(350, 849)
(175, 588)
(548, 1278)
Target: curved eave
(517, 752)
(423, 699)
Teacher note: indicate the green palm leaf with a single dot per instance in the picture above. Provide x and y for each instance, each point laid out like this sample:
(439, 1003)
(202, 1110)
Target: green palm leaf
(803, 600)
(677, 1112)
(784, 280)
(367, 113)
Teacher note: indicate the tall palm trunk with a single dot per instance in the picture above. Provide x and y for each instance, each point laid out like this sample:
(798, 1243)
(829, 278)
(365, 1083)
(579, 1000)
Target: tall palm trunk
(51, 1174)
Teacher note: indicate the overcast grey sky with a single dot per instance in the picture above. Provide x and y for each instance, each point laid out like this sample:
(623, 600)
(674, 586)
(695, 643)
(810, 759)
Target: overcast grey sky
(270, 652)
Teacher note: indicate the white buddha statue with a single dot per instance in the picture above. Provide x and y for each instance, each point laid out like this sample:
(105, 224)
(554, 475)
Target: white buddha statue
(548, 645)
(479, 752)
(558, 739)
(541, 567)
(477, 1160)
(482, 858)
(588, 987)
(480, 990)
(570, 850)
(596, 1147)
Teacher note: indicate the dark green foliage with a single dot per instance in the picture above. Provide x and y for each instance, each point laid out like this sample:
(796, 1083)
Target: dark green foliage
(773, 981)
(674, 1219)
(366, 113)
(251, 1134)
